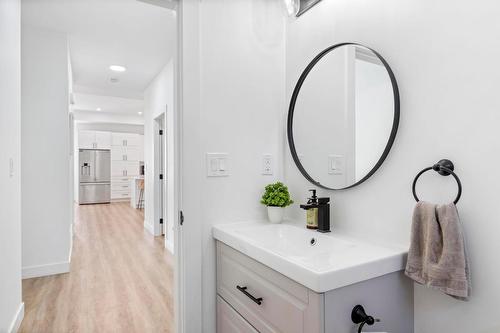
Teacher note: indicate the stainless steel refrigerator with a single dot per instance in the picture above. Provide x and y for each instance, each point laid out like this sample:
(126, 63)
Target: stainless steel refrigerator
(95, 176)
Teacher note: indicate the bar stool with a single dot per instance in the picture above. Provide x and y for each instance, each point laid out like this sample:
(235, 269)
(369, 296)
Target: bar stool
(140, 201)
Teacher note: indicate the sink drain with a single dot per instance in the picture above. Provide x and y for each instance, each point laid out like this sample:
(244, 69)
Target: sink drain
(312, 241)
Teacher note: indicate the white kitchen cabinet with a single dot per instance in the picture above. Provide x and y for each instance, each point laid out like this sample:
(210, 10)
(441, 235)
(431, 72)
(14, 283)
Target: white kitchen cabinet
(124, 153)
(119, 169)
(132, 168)
(118, 153)
(134, 154)
(86, 139)
(120, 187)
(126, 139)
(134, 140)
(94, 140)
(103, 140)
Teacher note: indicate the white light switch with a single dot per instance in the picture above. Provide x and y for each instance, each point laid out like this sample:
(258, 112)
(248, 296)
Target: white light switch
(217, 164)
(222, 164)
(267, 164)
(336, 164)
(214, 165)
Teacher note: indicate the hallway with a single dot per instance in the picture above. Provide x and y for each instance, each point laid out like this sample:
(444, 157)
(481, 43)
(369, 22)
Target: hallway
(121, 279)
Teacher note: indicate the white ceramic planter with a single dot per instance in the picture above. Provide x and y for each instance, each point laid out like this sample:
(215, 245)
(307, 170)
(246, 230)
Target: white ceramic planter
(275, 214)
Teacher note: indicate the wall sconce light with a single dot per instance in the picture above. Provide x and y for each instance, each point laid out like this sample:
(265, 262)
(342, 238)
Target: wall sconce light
(299, 7)
(292, 7)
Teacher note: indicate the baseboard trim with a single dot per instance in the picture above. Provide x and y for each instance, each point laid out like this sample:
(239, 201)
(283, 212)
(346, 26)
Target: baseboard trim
(45, 270)
(17, 320)
(170, 246)
(149, 228)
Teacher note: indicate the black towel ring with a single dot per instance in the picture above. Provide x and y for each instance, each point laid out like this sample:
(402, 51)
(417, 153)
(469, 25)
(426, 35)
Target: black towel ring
(444, 168)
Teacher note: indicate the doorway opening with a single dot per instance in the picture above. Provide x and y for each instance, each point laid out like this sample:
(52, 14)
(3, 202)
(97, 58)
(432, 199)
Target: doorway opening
(121, 75)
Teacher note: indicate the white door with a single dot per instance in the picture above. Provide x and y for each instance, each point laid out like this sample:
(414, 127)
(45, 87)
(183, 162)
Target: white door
(86, 139)
(103, 140)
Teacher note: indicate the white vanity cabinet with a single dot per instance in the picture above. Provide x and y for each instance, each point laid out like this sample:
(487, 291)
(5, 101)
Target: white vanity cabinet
(229, 321)
(286, 306)
(289, 307)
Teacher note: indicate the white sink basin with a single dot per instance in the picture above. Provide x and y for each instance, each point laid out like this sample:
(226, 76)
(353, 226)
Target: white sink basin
(321, 262)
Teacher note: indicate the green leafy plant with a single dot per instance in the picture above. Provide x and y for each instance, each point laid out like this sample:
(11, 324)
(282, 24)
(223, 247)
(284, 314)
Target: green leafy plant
(276, 195)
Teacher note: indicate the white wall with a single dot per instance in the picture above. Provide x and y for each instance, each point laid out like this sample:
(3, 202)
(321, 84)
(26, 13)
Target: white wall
(46, 177)
(10, 184)
(108, 117)
(158, 97)
(110, 127)
(232, 106)
(442, 55)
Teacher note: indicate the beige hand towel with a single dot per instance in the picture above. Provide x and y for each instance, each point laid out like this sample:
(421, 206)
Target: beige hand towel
(437, 257)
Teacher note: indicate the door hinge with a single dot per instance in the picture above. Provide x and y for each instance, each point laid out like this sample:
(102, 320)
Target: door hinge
(160, 132)
(181, 217)
(161, 221)
(161, 176)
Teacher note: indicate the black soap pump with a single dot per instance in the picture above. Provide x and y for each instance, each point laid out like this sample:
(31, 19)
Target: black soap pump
(311, 211)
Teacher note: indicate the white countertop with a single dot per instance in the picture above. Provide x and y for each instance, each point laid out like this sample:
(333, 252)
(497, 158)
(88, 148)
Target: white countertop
(334, 260)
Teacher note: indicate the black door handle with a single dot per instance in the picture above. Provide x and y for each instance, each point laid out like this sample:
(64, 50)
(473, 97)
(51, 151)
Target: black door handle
(244, 291)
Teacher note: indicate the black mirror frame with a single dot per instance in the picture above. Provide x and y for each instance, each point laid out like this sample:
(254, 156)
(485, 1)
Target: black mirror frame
(293, 100)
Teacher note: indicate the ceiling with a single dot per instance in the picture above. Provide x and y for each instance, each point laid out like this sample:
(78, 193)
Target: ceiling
(137, 35)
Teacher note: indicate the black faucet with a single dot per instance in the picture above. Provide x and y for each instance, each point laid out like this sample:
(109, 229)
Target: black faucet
(324, 214)
(322, 205)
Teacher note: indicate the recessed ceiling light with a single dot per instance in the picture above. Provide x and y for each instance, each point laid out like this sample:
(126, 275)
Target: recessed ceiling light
(140, 112)
(98, 109)
(117, 68)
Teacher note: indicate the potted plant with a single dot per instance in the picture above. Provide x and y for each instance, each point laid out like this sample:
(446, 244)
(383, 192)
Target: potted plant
(276, 197)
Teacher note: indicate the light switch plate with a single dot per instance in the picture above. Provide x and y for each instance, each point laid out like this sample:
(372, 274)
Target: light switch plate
(267, 164)
(218, 165)
(336, 164)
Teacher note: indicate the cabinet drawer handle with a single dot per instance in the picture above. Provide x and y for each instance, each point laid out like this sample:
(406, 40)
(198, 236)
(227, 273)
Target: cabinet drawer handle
(244, 291)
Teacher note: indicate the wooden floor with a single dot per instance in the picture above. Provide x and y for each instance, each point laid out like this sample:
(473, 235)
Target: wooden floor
(121, 279)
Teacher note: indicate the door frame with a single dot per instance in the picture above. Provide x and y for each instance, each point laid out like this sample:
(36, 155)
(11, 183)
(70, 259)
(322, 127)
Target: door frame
(189, 166)
(159, 158)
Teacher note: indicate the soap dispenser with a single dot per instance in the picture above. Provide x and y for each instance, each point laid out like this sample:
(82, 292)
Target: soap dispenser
(311, 211)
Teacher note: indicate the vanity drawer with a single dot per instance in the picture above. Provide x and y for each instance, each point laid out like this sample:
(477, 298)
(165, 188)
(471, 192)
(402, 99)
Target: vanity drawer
(230, 321)
(286, 306)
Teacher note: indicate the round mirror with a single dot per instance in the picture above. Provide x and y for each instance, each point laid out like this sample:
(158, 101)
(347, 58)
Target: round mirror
(343, 116)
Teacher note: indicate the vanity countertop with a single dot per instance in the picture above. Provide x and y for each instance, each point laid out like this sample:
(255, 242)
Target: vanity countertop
(333, 261)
